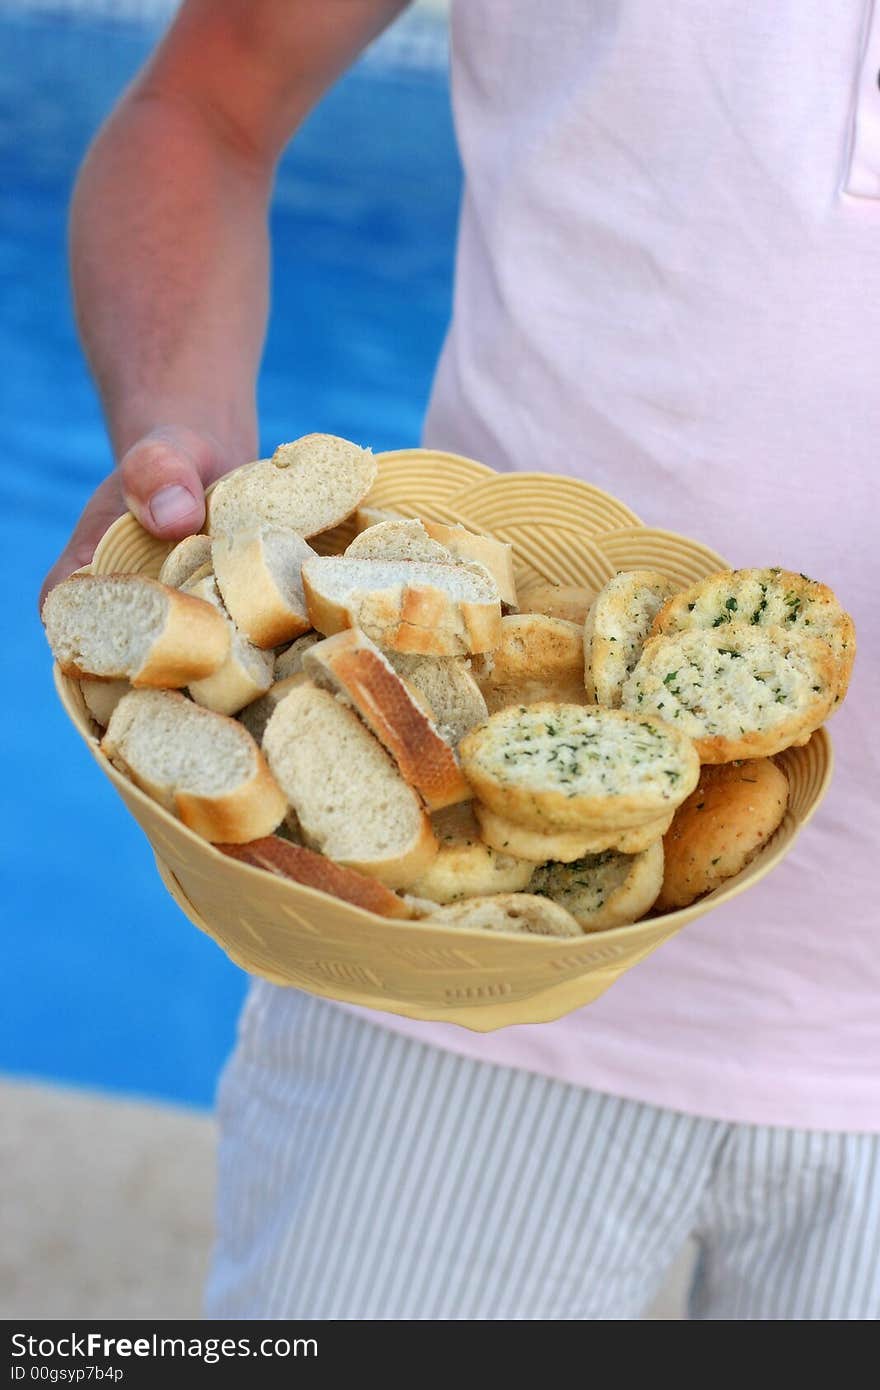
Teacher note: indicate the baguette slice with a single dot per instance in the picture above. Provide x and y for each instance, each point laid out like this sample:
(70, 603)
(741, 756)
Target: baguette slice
(202, 767)
(604, 890)
(351, 666)
(569, 601)
(181, 563)
(765, 598)
(286, 860)
(351, 801)
(259, 573)
(246, 673)
(536, 658)
(522, 914)
(569, 767)
(398, 538)
(564, 846)
(289, 662)
(126, 627)
(616, 629)
(308, 486)
(257, 714)
(407, 605)
(404, 539)
(466, 867)
(102, 697)
(738, 691)
(445, 685)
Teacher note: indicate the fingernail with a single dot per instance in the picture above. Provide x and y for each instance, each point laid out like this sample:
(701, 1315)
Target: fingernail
(171, 505)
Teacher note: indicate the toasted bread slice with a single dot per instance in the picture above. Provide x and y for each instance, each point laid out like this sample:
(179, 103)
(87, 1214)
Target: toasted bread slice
(351, 666)
(246, 673)
(765, 598)
(571, 602)
(604, 890)
(466, 867)
(564, 846)
(521, 914)
(308, 486)
(202, 767)
(568, 767)
(447, 688)
(737, 691)
(407, 605)
(259, 573)
(725, 821)
(277, 855)
(616, 629)
(351, 801)
(126, 627)
(536, 658)
(181, 563)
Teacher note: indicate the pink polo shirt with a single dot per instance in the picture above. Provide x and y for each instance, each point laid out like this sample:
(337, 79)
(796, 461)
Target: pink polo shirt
(668, 283)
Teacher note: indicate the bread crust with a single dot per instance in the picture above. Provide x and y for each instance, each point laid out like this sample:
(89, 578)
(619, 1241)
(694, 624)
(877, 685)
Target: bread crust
(536, 658)
(726, 820)
(532, 794)
(286, 860)
(602, 891)
(250, 591)
(564, 846)
(353, 664)
(246, 673)
(496, 556)
(520, 914)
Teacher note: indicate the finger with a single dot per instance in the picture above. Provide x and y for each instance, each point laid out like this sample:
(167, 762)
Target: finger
(164, 477)
(106, 504)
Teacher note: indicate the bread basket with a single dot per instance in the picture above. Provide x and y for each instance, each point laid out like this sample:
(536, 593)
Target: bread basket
(563, 530)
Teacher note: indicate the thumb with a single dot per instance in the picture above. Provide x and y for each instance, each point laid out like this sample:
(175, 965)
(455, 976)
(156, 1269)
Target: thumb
(164, 476)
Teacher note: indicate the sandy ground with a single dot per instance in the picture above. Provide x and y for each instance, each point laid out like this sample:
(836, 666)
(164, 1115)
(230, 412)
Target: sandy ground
(106, 1208)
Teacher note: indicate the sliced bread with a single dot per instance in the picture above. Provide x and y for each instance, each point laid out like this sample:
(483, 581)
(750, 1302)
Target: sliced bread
(256, 715)
(289, 661)
(466, 867)
(307, 486)
(521, 914)
(536, 658)
(259, 573)
(351, 801)
(569, 767)
(569, 601)
(181, 563)
(126, 627)
(616, 628)
(246, 673)
(202, 767)
(383, 536)
(277, 855)
(446, 687)
(408, 605)
(102, 697)
(737, 691)
(398, 539)
(351, 666)
(564, 846)
(604, 890)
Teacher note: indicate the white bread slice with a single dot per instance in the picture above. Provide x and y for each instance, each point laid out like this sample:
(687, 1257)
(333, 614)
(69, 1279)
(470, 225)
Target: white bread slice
(765, 598)
(536, 658)
(447, 688)
(181, 563)
(277, 855)
(572, 767)
(616, 629)
(202, 767)
(604, 890)
(289, 662)
(102, 697)
(569, 601)
(352, 667)
(351, 801)
(523, 914)
(408, 605)
(738, 691)
(259, 573)
(396, 538)
(465, 866)
(308, 486)
(564, 846)
(126, 627)
(246, 673)
(257, 714)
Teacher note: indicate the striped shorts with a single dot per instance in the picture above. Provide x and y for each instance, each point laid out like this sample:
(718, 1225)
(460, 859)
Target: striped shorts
(367, 1176)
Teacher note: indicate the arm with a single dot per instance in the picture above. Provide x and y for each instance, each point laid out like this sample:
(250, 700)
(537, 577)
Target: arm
(169, 244)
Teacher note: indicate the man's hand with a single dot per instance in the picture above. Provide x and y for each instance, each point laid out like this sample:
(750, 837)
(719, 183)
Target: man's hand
(161, 480)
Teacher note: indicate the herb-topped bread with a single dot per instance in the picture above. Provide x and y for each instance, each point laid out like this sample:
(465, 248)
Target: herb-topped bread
(563, 846)
(737, 691)
(308, 486)
(569, 767)
(536, 658)
(603, 890)
(466, 867)
(616, 628)
(765, 598)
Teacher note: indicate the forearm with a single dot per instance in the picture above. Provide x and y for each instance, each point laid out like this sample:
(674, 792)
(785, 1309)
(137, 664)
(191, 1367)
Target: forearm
(170, 269)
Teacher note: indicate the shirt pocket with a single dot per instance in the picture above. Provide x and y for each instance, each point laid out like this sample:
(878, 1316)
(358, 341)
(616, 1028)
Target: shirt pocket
(863, 175)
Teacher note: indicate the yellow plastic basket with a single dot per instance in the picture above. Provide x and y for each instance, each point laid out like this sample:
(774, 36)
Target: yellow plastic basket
(560, 529)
